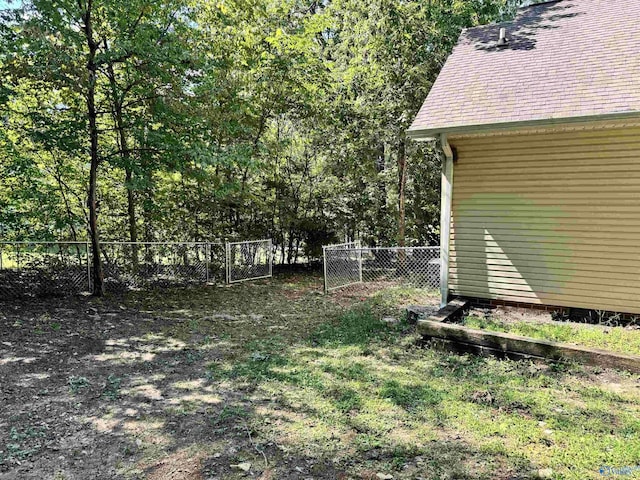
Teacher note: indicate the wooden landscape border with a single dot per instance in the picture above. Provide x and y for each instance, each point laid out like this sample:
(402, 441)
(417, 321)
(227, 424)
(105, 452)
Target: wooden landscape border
(481, 341)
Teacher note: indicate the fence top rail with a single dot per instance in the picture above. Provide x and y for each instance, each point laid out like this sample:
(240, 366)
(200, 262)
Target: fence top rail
(161, 243)
(249, 241)
(430, 247)
(38, 242)
(355, 244)
(71, 242)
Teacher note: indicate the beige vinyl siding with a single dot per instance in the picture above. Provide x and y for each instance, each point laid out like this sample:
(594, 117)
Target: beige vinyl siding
(548, 218)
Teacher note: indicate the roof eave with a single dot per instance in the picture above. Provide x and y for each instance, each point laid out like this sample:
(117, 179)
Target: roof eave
(425, 134)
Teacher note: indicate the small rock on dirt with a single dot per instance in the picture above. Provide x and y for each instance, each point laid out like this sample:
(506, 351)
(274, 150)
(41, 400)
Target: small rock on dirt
(244, 466)
(545, 473)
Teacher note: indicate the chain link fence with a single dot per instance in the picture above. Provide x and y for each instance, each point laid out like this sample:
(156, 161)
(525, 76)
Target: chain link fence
(249, 260)
(351, 264)
(41, 269)
(140, 265)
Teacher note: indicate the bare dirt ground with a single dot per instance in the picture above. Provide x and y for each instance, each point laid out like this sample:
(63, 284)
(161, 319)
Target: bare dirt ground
(273, 380)
(118, 387)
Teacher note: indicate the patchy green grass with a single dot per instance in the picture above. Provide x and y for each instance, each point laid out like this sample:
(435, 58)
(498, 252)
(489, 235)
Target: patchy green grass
(339, 383)
(358, 387)
(618, 339)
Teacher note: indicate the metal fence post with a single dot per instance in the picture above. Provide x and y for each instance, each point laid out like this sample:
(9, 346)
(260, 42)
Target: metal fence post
(227, 261)
(324, 264)
(88, 267)
(360, 261)
(207, 250)
(270, 257)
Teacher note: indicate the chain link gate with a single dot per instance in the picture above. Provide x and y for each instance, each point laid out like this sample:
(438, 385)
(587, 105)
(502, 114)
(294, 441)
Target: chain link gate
(349, 264)
(249, 260)
(342, 265)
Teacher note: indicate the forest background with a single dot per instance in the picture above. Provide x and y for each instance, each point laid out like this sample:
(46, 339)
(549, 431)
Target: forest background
(193, 120)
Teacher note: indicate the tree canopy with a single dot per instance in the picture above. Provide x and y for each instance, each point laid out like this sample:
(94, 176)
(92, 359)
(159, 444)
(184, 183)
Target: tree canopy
(194, 120)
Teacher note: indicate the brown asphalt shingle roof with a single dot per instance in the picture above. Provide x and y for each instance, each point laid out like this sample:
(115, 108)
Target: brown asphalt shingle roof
(568, 58)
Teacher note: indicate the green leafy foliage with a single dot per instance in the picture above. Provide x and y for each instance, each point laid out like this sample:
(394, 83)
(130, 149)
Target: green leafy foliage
(241, 118)
(112, 387)
(78, 384)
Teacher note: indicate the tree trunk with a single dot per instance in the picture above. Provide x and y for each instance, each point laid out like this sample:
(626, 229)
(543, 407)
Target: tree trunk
(147, 215)
(125, 155)
(131, 209)
(126, 159)
(74, 235)
(98, 277)
(290, 246)
(58, 176)
(402, 182)
(131, 205)
(381, 163)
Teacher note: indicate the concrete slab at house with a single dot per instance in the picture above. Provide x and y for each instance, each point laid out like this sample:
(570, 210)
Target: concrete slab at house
(541, 176)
